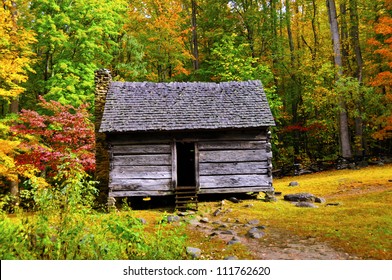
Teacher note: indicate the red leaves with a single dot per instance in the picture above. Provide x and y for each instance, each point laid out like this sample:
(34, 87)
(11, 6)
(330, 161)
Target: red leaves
(62, 134)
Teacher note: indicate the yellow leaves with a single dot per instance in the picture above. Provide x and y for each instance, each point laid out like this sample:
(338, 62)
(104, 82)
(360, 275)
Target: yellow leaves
(7, 164)
(16, 54)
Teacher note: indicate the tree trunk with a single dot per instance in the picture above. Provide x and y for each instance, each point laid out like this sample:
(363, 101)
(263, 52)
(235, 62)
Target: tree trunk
(345, 147)
(194, 36)
(358, 61)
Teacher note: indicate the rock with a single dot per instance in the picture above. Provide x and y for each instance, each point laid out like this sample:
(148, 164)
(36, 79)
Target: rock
(143, 221)
(173, 218)
(277, 193)
(255, 233)
(307, 197)
(228, 232)
(248, 205)
(260, 227)
(182, 214)
(306, 204)
(269, 197)
(234, 199)
(230, 258)
(195, 253)
(319, 200)
(234, 240)
(213, 234)
(217, 212)
(204, 220)
(293, 184)
(333, 204)
(253, 222)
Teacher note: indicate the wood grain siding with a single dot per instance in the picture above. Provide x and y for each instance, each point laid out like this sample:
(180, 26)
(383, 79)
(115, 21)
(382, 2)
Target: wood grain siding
(234, 166)
(141, 169)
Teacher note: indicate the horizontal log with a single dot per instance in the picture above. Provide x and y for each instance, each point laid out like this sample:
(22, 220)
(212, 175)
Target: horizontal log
(140, 171)
(228, 181)
(139, 193)
(141, 184)
(226, 168)
(233, 156)
(192, 136)
(141, 149)
(158, 159)
(236, 190)
(232, 145)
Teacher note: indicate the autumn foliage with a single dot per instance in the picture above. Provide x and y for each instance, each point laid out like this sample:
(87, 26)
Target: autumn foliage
(61, 134)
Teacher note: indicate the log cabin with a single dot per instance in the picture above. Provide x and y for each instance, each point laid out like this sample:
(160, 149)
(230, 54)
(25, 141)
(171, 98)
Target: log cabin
(182, 138)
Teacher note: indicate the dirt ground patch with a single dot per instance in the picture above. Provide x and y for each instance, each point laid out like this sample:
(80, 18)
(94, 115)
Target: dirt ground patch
(276, 244)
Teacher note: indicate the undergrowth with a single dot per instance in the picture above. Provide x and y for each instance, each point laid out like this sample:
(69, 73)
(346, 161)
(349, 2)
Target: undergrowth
(64, 226)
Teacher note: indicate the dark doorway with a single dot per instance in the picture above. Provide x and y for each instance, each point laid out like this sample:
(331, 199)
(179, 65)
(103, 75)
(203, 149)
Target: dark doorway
(186, 171)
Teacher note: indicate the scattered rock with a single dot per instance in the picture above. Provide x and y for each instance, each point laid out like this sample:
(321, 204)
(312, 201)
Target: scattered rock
(234, 240)
(333, 204)
(228, 232)
(319, 200)
(260, 227)
(217, 212)
(308, 197)
(182, 214)
(234, 199)
(195, 253)
(229, 210)
(253, 222)
(255, 233)
(293, 184)
(173, 218)
(230, 258)
(204, 220)
(248, 205)
(213, 234)
(269, 197)
(306, 204)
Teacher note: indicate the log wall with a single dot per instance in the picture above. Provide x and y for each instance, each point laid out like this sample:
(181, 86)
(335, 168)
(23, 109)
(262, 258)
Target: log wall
(141, 170)
(234, 166)
(225, 163)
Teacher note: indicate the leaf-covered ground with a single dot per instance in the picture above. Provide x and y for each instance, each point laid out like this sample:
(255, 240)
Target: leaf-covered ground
(357, 226)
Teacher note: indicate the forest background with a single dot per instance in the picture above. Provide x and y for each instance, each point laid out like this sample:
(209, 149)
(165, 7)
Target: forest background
(326, 66)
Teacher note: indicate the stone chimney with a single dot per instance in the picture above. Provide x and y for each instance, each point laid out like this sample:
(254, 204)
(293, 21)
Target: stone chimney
(102, 82)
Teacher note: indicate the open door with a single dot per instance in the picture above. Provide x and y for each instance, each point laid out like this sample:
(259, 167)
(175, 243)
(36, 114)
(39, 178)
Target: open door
(186, 168)
(186, 174)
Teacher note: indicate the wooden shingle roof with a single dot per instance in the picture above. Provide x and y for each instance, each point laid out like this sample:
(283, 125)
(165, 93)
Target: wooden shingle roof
(145, 106)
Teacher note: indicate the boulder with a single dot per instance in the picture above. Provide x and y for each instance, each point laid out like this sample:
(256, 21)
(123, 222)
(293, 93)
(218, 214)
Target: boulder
(173, 218)
(234, 240)
(308, 197)
(306, 204)
(230, 258)
(255, 233)
(195, 253)
(234, 199)
(204, 220)
(293, 184)
(320, 200)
